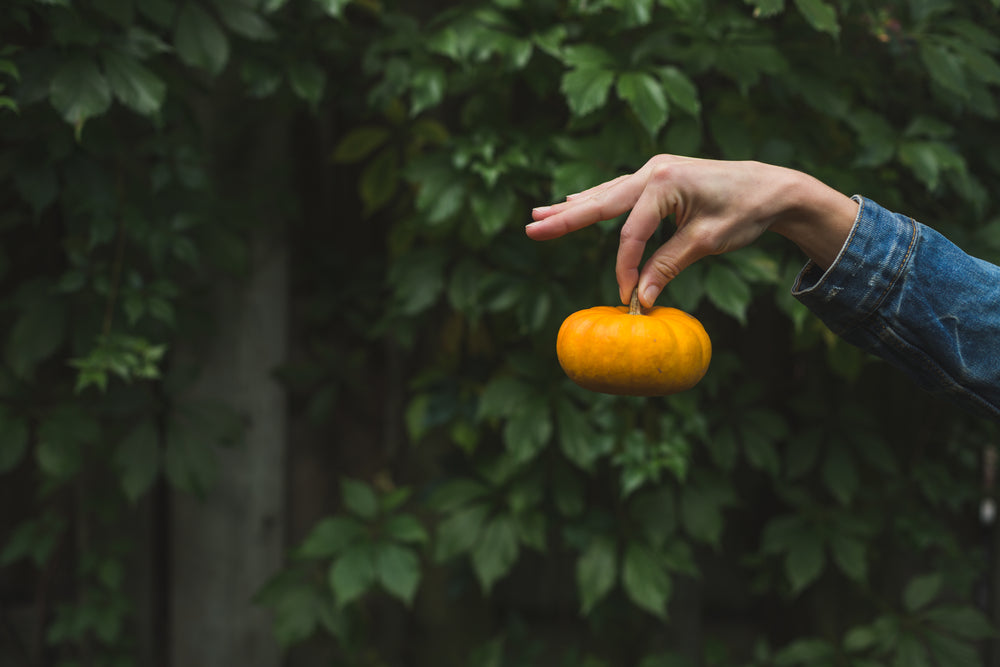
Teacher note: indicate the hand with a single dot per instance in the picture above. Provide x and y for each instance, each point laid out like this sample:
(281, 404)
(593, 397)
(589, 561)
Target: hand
(718, 206)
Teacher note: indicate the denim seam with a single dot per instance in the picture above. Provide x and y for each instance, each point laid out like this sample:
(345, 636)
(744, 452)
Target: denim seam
(888, 336)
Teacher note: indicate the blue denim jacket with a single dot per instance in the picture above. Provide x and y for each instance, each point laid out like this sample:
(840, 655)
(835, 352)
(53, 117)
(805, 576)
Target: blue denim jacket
(905, 293)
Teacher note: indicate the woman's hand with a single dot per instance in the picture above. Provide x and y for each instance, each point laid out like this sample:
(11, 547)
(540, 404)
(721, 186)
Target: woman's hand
(719, 206)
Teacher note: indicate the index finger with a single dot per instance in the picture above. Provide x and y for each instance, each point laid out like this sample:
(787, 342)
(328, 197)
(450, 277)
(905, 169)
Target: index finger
(602, 202)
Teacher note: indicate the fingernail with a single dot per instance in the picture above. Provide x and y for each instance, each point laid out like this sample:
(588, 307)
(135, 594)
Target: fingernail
(649, 294)
(540, 209)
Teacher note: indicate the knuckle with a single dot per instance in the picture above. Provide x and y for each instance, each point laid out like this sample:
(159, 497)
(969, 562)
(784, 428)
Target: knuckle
(666, 267)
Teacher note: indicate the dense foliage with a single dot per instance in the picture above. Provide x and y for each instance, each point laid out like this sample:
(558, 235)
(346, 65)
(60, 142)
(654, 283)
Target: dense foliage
(804, 505)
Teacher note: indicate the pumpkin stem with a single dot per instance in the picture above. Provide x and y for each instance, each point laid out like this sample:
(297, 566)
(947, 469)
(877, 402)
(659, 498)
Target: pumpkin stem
(634, 307)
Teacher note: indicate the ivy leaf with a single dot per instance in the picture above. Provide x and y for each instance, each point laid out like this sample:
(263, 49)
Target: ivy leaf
(727, 291)
(849, 555)
(680, 89)
(646, 580)
(240, 17)
(766, 8)
(644, 94)
(359, 143)
(359, 498)
(455, 493)
(334, 8)
(133, 84)
(308, 81)
(577, 439)
(353, 573)
(199, 40)
(379, 180)
(496, 551)
(840, 473)
(528, 430)
(804, 561)
(962, 621)
(586, 88)
(921, 591)
(596, 570)
(460, 532)
(820, 15)
(427, 89)
(405, 528)
(397, 569)
(702, 502)
(79, 91)
(945, 68)
(330, 537)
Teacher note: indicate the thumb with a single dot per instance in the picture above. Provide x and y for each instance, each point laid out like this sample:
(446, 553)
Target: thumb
(678, 253)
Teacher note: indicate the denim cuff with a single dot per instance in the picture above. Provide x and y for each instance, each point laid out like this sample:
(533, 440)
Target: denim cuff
(873, 257)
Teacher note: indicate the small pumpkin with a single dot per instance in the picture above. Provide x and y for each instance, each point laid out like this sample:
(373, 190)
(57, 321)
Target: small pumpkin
(633, 351)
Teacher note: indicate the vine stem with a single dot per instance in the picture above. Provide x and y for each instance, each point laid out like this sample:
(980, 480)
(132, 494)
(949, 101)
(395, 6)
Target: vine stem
(634, 307)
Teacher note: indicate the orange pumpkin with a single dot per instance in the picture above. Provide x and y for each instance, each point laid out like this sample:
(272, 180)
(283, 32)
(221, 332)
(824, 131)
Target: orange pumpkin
(632, 351)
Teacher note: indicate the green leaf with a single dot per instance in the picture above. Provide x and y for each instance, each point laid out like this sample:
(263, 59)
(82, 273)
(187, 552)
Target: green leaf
(840, 473)
(596, 571)
(766, 8)
(804, 561)
(359, 498)
(63, 436)
(504, 395)
(860, 638)
(727, 291)
(334, 8)
(379, 180)
(359, 143)
(807, 652)
(460, 532)
(308, 81)
(644, 94)
(702, 503)
(586, 88)
(496, 551)
(353, 573)
(680, 89)
(13, 440)
(34, 539)
(199, 40)
(138, 460)
(241, 17)
(79, 91)
(820, 15)
(330, 537)
(133, 84)
(418, 280)
(921, 591)
(578, 440)
(645, 579)
(944, 67)
(910, 652)
(967, 622)
(849, 554)
(427, 89)
(455, 493)
(405, 528)
(397, 569)
(528, 430)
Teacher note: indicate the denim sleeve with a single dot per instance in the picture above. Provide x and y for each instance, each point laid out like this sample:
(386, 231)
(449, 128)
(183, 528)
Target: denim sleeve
(905, 293)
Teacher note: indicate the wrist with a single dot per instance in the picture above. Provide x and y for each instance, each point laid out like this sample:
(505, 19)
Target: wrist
(815, 217)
